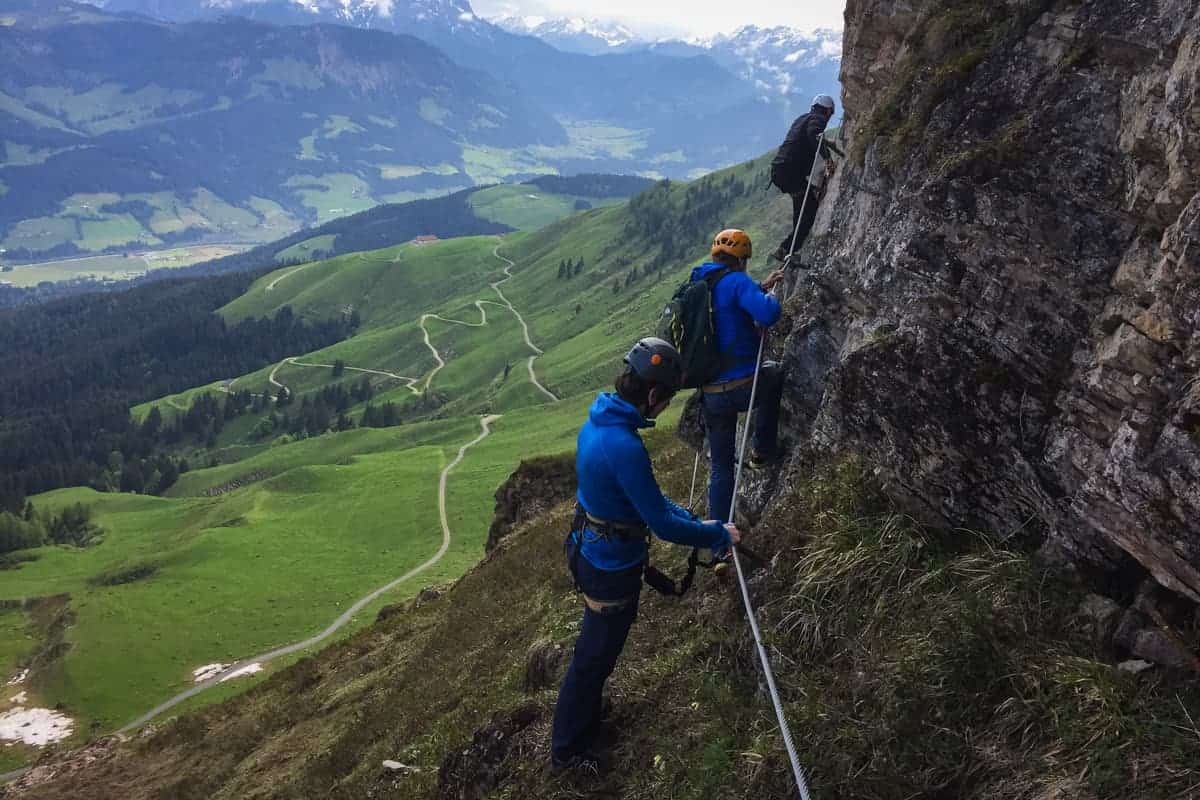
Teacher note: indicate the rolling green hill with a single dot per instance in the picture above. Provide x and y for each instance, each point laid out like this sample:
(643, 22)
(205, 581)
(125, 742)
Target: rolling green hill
(631, 264)
(272, 533)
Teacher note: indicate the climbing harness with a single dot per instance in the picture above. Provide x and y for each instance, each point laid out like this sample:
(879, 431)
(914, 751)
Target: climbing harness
(654, 578)
(797, 770)
(803, 204)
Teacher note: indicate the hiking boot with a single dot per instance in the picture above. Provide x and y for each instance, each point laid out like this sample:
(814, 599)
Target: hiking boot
(780, 254)
(758, 460)
(722, 560)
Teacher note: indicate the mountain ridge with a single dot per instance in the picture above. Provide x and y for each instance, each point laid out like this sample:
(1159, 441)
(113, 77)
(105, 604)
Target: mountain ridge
(163, 144)
(777, 60)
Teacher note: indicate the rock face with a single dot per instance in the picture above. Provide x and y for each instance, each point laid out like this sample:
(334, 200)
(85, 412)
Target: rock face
(536, 486)
(1002, 309)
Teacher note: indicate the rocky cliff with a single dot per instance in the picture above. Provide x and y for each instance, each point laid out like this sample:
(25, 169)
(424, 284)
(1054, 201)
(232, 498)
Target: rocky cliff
(537, 485)
(1002, 309)
(999, 322)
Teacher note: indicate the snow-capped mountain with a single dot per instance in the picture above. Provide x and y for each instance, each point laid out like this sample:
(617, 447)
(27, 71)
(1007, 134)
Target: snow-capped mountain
(781, 59)
(777, 61)
(573, 34)
(380, 14)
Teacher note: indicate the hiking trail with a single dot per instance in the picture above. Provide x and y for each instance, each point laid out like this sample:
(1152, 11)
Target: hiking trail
(271, 286)
(419, 386)
(485, 424)
(293, 360)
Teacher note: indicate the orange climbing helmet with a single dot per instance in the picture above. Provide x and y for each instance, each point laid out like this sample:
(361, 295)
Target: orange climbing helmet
(732, 242)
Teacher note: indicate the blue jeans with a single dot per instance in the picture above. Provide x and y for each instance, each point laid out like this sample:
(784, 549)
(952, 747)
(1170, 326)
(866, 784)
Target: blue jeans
(601, 639)
(720, 418)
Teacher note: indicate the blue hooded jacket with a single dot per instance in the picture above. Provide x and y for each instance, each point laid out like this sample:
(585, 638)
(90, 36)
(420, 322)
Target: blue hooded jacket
(738, 303)
(616, 484)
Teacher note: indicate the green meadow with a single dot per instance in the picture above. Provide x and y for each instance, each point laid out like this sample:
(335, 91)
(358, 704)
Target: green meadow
(97, 222)
(265, 539)
(114, 267)
(528, 208)
(191, 579)
(307, 250)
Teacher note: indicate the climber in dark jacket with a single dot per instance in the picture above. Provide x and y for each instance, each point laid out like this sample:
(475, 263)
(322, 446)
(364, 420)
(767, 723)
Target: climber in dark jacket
(619, 505)
(790, 170)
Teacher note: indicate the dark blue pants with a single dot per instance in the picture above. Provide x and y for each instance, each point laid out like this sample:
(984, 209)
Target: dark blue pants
(801, 230)
(601, 639)
(720, 418)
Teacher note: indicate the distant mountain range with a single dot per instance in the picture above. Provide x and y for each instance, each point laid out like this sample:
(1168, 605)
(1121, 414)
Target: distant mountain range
(576, 34)
(777, 60)
(150, 122)
(129, 131)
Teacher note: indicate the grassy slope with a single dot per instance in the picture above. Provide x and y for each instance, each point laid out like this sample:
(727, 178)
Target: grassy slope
(911, 666)
(318, 524)
(296, 493)
(391, 288)
(527, 208)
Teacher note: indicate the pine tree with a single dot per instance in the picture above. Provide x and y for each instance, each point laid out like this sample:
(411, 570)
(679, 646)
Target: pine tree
(339, 368)
(370, 417)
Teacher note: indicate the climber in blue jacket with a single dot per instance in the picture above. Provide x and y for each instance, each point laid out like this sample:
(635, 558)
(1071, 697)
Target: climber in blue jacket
(742, 310)
(619, 506)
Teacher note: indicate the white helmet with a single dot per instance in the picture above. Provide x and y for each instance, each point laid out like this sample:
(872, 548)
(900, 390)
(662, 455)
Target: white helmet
(824, 101)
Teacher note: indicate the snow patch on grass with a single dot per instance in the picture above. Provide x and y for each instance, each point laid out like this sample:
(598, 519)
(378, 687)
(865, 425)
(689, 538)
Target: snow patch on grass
(201, 674)
(34, 726)
(249, 669)
(209, 671)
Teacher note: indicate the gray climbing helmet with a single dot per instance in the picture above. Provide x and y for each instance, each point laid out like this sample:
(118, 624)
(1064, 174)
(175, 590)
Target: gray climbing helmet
(656, 360)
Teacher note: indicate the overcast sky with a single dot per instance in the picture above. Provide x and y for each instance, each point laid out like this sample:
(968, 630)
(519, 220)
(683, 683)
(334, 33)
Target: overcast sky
(693, 17)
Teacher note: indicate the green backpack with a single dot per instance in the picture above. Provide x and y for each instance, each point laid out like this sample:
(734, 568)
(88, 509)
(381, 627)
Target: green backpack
(687, 323)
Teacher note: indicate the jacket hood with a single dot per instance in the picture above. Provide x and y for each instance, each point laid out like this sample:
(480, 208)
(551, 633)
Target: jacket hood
(707, 267)
(610, 409)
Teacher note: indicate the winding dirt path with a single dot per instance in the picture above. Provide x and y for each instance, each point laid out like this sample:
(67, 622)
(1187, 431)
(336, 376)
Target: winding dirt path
(485, 424)
(537, 351)
(419, 386)
(288, 274)
(293, 360)
(479, 304)
(485, 430)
